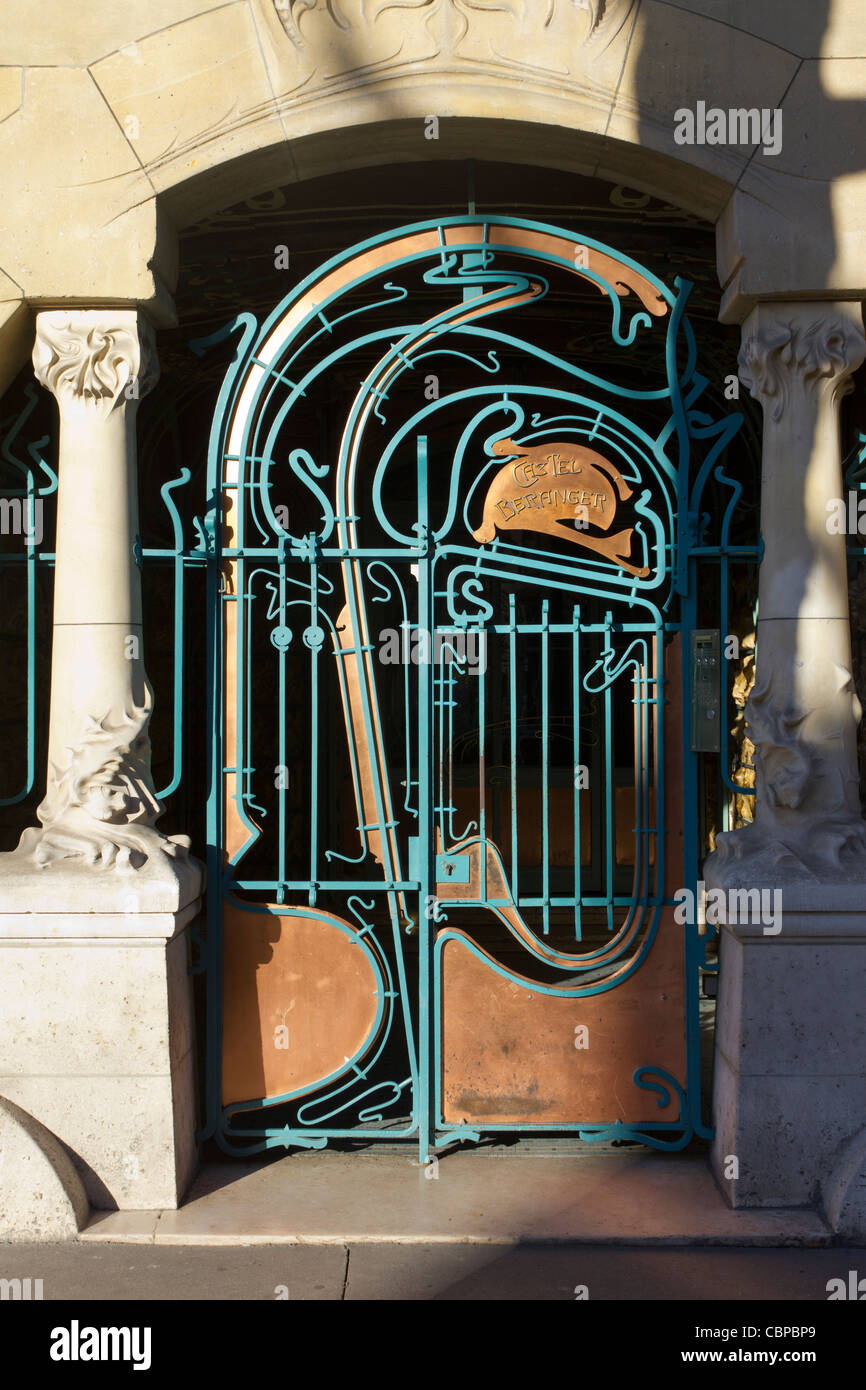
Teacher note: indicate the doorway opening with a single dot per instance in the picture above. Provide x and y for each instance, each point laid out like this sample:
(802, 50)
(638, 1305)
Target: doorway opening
(489, 819)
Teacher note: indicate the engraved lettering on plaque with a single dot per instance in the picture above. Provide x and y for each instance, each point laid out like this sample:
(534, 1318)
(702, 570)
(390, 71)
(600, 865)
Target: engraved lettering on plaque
(548, 487)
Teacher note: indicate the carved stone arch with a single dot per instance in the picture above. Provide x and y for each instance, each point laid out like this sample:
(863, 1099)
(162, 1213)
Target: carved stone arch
(130, 134)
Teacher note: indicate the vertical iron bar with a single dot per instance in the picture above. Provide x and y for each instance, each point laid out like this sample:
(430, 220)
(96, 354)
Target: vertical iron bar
(314, 723)
(482, 734)
(610, 787)
(649, 773)
(575, 701)
(545, 766)
(452, 685)
(727, 797)
(215, 698)
(691, 850)
(426, 873)
(438, 681)
(30, 549)
(512, 729)
(281, 724)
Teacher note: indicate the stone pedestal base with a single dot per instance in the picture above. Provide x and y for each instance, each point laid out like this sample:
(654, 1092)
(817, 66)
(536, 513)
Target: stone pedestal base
(790, 1069)
(96, 1038)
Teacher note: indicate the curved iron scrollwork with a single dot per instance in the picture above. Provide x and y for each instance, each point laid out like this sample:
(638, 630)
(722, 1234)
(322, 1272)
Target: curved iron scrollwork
(492, 535)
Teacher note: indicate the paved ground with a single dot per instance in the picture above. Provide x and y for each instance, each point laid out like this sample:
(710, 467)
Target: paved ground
(477, 1196)
(486, 1224)
(78, 1270)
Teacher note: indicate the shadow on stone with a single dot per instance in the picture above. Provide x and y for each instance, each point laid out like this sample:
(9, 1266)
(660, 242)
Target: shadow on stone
(41, 1195)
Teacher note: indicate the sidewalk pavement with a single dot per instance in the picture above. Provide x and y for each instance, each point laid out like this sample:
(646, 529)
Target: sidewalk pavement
(79, 1270)
(486, 1195)
(482, 1224)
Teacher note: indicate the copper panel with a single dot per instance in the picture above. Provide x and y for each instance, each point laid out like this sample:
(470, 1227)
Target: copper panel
(342, 275)
(486, 884)
(559, 489)
(508, 1050)
(235, 831)
(301, 973)
(623, 277)
(372, 771)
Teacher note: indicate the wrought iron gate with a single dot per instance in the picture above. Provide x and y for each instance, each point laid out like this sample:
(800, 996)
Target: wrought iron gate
(452, 788)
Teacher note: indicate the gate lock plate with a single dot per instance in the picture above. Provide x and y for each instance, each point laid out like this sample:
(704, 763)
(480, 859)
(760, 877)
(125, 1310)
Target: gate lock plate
(452, 868)
(449, 868)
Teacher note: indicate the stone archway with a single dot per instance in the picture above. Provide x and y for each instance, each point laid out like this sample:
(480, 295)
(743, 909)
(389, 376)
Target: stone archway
(114, 138)
(155, 127)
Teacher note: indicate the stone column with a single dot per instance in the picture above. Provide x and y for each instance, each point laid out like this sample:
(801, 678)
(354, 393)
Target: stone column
(790, 1086)
(99, 805)
(95, 1036)
(803, 712)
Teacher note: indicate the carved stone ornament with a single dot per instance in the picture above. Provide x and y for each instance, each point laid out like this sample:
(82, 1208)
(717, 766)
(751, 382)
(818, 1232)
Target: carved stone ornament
(816, 356)
(392, 33)
(808, 821)
(101, 807)
(91, 360)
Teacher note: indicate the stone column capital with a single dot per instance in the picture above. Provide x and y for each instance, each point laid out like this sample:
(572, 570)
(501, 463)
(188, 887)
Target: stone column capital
(94, 360)
(807, 349)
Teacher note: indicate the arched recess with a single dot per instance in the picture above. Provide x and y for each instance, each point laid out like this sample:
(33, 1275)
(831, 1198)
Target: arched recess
(398, 139)
(134, 260)
(218, 102)
(471, 257)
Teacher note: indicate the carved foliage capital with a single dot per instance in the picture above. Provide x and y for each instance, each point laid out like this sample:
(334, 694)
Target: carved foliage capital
(93, 360)
(803, 350)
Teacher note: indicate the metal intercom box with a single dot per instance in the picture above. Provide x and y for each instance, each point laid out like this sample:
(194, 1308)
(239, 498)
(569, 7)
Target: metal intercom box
(706, 691)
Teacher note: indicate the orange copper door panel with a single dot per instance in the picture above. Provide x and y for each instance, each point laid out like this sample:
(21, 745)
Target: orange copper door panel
(508, 1049)
(299, 973)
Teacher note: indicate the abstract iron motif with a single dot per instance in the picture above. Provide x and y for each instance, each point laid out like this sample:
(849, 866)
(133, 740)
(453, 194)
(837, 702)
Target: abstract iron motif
(447, 618)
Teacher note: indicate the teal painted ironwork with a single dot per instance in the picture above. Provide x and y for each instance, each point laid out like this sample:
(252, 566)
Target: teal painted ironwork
(22, 515)
(533, 649)
(572, 618)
